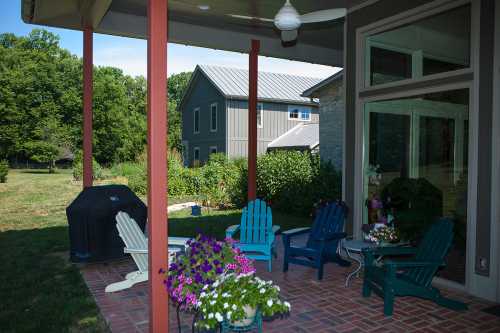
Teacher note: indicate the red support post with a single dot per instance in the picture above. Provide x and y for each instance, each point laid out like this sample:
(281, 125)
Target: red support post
(157, 164)
(87, 106)
(252, 118)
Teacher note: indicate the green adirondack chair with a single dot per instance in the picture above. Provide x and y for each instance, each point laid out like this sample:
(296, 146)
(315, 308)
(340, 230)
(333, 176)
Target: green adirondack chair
(410, 277)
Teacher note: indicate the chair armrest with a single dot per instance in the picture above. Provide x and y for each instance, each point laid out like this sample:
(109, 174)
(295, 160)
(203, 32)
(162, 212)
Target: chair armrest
(389, 250)
(231, 230)
(413, 263)
(296, 231)
(276, 228)
(334, 236)
(135, 251)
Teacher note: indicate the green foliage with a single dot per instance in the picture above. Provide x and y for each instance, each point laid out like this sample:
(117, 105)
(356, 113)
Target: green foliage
(291, 181)
(4, 170)
(294, 181)
(97, 170)
(416, 204)
(41, 100)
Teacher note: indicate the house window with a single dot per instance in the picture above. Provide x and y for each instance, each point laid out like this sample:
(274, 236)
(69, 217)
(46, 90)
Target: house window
(213, 150)
(260, 114)
(213, 117)
(433, 45)
(196, 154)
(299, 113)
(196, 122)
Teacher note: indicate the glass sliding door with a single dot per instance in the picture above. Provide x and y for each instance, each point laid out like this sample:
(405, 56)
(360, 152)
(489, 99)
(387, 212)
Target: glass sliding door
(415, 166)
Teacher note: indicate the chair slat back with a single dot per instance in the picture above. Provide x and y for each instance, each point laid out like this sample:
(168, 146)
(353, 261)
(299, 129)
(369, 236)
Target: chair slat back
(133, 237)
(256, 223)
(329, 220)
(433, 247)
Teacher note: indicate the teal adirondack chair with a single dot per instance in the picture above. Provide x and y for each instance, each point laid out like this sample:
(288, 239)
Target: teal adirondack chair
(256, 232)
(410, 277)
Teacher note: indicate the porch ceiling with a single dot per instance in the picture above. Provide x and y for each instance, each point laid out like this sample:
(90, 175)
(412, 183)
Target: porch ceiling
(317, 43)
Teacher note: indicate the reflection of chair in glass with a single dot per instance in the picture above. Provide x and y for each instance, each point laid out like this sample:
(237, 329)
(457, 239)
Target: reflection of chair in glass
(411, 277)
(414, 203)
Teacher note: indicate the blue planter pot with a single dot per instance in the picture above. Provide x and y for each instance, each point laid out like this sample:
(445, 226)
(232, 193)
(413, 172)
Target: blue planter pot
(196, 210)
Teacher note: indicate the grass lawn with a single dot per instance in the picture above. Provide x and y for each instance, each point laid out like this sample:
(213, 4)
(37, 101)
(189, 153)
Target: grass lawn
(215, 222)
(40, 290)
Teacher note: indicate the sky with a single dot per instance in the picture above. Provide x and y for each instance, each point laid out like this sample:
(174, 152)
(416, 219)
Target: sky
(129, 54)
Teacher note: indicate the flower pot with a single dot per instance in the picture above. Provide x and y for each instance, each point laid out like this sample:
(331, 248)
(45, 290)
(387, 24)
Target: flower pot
(250, 313)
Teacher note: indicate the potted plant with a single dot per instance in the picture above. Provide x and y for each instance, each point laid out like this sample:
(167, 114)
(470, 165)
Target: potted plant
(383, 235)
(217, 282)
(236, 300)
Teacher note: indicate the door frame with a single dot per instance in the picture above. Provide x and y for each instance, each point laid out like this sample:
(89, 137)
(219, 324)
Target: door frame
(495, 198)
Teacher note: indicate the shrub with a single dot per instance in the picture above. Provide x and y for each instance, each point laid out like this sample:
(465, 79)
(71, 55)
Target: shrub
(4, 170)
(295, 181)
(78, 168)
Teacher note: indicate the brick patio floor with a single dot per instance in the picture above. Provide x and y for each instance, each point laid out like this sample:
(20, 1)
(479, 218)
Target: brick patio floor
(325, 306)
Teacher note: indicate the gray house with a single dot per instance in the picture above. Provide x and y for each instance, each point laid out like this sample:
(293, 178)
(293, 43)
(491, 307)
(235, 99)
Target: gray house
(215, 110)
(330, 93)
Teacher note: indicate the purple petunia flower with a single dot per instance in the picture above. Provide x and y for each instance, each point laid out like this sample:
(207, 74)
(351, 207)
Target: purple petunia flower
(216, 262)
(206, 267)
(219, 270)
(173, 267)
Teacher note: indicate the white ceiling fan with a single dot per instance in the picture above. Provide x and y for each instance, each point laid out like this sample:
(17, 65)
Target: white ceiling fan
(288, 20)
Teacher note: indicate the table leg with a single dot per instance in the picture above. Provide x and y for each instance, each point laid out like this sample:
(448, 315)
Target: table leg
(356, 271)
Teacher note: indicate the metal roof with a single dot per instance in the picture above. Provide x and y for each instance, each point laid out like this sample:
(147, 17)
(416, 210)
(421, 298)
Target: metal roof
(303, 135)
(233, 83)
(335, 77)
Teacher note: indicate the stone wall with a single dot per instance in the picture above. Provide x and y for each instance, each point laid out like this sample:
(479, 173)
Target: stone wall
(331, 120)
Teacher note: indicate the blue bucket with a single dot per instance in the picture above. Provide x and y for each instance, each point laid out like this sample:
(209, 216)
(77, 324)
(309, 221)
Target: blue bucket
(196, 210)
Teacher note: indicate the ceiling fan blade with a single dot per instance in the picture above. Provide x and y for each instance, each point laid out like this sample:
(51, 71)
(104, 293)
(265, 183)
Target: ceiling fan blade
(289, 35)
(244, 17)
(323, 15)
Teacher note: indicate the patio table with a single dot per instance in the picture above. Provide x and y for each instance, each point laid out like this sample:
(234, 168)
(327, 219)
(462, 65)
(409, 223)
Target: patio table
(354, 250)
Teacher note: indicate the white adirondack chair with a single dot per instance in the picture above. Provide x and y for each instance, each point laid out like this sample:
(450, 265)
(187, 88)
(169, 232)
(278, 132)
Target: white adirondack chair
(136, 243)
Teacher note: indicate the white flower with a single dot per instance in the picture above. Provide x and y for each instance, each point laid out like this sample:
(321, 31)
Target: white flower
(226, 305)
(198, 304)
(215, 295)
(262, 290)
(234, 307)
(225, 295)
(210, 315)
(212, 302)
(203, 294)
(269, 302)
(229, 313)
(277, 288)
(219, 317)
(205, 287)
(287, 305)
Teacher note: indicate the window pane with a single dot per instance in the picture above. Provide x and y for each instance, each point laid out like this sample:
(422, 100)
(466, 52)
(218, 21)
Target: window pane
(305, 115)
(389, 66)
(196, 120)
(213, 118)
(435, 44)
(417, 167)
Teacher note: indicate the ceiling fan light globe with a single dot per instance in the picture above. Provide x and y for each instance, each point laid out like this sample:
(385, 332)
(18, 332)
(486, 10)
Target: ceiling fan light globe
(287, 18)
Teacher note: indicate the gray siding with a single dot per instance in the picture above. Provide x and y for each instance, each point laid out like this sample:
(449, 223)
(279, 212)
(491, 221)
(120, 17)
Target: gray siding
(275, 123)
(331, 116)
(202, 95)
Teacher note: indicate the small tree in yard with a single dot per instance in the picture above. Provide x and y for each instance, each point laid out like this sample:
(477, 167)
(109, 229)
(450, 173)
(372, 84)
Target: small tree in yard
(42, 152)
(52, 140)
(4, 170)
